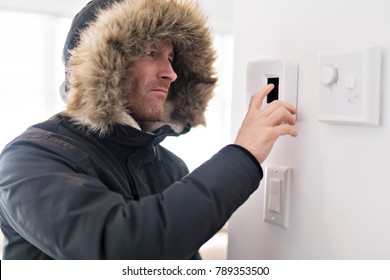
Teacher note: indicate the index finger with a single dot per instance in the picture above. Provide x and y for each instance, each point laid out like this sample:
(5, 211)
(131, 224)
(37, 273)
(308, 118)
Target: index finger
(258, 97)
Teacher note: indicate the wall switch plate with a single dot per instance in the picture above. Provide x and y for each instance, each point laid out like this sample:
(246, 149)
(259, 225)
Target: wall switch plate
(350, 86)
(283, 74)
(277, 195)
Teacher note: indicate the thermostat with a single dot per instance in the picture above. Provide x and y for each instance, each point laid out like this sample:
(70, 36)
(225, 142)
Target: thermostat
(283, 74)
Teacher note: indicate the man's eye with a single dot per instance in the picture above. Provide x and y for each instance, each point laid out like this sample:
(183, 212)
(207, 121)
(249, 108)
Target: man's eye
(151, 53)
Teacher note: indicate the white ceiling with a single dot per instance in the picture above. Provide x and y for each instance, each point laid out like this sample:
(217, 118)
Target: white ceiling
(220, 11)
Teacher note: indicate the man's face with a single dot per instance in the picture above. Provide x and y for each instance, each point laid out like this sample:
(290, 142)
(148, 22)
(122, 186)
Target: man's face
(148, 83)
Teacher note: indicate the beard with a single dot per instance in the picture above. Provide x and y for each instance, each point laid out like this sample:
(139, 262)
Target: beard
(145, 105)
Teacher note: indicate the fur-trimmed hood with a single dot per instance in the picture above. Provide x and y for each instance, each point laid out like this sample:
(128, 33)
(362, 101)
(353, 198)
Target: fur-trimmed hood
(118, 36)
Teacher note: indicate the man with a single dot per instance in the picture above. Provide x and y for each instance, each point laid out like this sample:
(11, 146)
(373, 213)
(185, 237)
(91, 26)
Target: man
(93, 182)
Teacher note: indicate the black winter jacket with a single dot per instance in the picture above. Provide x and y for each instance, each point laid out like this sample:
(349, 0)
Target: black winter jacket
(67, 194)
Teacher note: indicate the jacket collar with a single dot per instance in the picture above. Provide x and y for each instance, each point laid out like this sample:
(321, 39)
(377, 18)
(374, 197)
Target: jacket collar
(127, 136)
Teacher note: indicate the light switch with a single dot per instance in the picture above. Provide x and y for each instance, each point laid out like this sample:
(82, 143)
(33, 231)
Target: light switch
(283, 74)
(277, 194)
(274, 196)
(350, 86)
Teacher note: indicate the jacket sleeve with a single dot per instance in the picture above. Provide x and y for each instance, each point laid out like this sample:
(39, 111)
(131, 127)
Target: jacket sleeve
(70, 215)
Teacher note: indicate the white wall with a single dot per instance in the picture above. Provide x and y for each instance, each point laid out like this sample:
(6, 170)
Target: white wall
(340, 200)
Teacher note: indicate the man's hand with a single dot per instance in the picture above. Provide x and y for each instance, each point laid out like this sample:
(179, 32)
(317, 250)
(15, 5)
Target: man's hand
(263, 126)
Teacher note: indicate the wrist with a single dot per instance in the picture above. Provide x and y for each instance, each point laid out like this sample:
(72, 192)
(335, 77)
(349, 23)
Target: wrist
(249, 154)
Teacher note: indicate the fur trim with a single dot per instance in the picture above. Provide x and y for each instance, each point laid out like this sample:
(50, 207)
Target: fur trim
(96, 68)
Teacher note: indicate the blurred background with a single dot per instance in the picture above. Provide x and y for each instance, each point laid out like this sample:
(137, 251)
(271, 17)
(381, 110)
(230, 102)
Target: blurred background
(31, 71)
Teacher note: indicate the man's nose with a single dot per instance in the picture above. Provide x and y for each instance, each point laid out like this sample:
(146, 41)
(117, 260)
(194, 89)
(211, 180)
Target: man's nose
(167, 72)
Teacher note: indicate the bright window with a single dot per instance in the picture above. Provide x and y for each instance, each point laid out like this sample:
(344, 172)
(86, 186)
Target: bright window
(31, 70)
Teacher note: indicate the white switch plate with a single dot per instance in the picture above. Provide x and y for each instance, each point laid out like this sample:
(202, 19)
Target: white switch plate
(350, 86)
(277, 182)
(259, 71)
